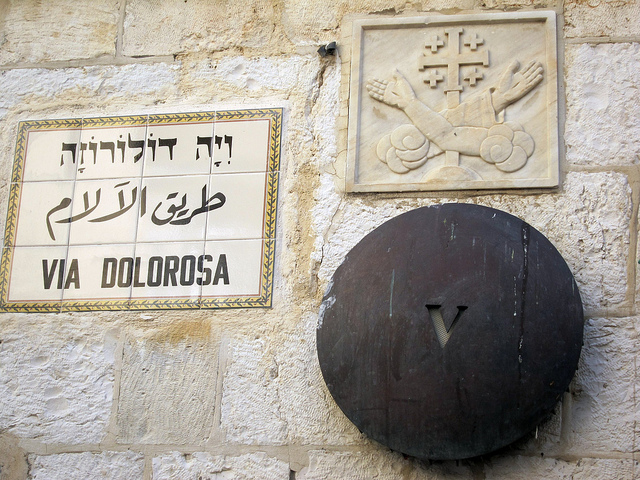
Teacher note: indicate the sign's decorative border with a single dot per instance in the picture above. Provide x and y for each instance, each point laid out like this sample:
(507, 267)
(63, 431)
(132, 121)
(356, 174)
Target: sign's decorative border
(274, 115)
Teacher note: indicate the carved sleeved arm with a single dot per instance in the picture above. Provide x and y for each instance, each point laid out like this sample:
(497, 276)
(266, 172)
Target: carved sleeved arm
(438, 130)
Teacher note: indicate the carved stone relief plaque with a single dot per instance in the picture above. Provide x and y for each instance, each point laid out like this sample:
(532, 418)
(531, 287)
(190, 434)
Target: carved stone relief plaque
(453, 102)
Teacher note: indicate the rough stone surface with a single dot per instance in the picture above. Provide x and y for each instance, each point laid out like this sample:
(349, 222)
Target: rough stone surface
(163, 28)
(254, 78)
(588, 223)
(312, 415)
(63, 91)
(274, 393)
(199, 465)
(379, 464)
(57, 30)
(525, 468)
(167, 392)
(602, 104)
(13, 459)
(604, 411)
(160, 27)
(250, 400)
(598, 18)
(315, 23)
(56, 379)
(80, 466)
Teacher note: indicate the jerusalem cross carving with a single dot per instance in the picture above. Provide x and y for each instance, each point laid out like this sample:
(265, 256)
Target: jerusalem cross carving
(453, 102)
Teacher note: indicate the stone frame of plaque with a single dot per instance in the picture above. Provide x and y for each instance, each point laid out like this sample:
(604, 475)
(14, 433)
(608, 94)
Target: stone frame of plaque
(451, 102)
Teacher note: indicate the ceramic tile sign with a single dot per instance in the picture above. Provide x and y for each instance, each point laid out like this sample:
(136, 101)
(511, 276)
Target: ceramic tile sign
(453, 102)
(143, 212)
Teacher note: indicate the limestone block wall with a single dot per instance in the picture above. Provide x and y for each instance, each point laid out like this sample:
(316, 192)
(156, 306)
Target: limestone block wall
(238, 394)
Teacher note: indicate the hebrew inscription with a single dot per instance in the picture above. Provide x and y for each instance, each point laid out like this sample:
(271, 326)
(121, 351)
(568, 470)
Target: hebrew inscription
(471, 103)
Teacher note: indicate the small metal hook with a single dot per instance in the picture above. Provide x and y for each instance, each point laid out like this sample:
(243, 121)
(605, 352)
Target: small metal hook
(329, 49)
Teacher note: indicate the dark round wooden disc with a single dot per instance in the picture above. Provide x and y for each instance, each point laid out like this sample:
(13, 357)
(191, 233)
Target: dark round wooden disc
(450, 331)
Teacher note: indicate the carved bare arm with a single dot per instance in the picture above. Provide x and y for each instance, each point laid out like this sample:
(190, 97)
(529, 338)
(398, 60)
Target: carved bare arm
(516, 84)
(396, 92)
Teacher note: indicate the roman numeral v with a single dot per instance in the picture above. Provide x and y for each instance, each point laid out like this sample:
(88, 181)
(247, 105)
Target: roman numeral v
(443, 331)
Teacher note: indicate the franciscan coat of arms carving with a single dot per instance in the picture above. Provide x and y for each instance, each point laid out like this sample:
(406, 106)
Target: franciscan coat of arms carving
(453, 103)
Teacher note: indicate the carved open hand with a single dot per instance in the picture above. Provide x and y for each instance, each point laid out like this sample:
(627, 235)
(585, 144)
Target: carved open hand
(396, 92)
(516, 84)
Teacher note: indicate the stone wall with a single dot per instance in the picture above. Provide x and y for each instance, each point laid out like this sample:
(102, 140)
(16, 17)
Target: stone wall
(238, 393)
